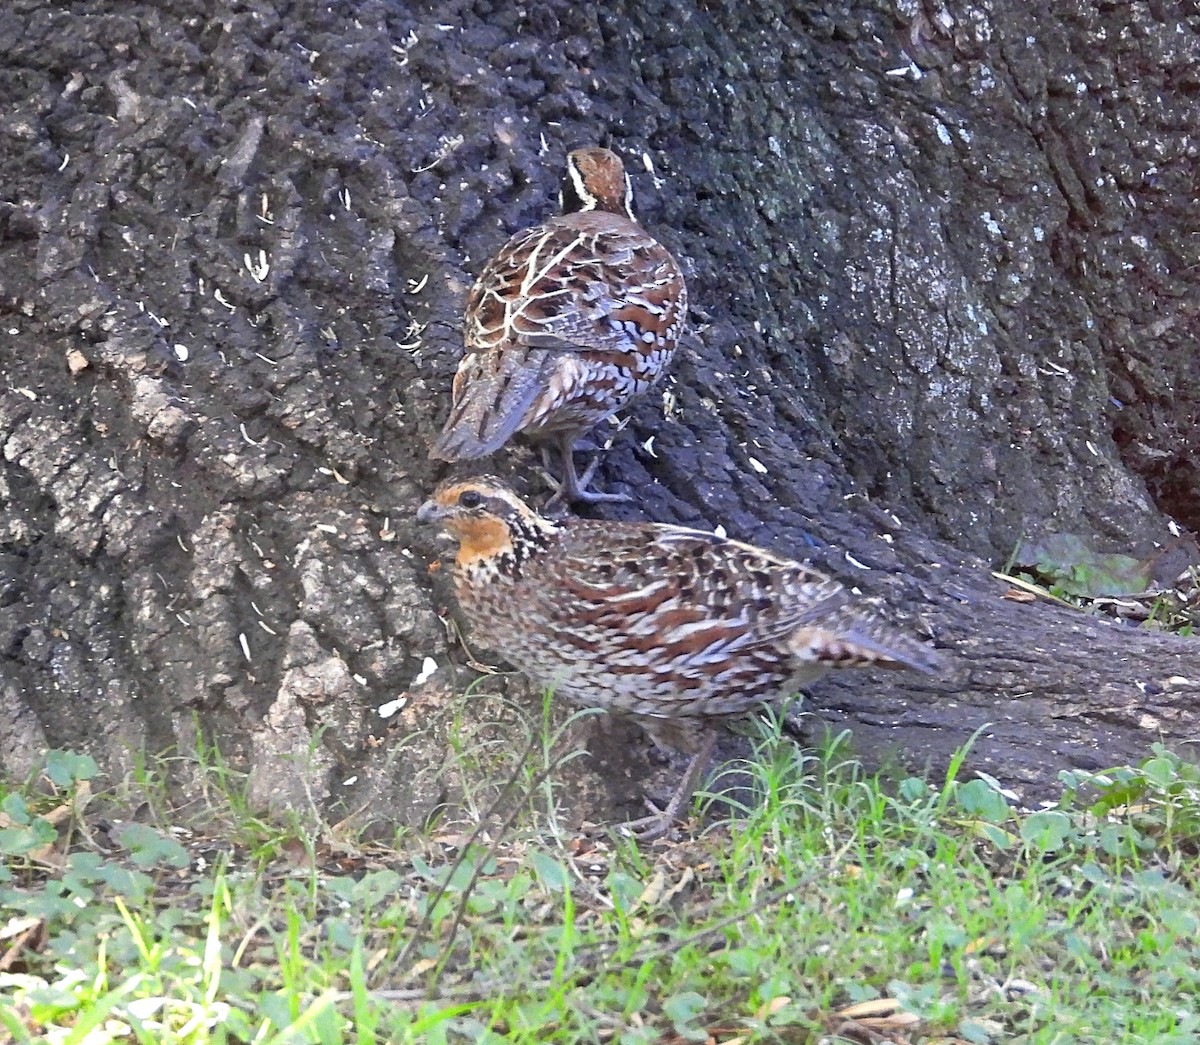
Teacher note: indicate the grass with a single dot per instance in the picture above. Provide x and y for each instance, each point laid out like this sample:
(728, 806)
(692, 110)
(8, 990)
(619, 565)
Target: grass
(834, 907)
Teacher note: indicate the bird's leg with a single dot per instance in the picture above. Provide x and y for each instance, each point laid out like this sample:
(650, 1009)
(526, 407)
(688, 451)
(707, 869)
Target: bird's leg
(586, 479)
(572, 488)
(547, 471)
(658, 823)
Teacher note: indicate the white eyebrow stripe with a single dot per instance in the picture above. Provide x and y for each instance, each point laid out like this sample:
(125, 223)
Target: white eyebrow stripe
(586, 196)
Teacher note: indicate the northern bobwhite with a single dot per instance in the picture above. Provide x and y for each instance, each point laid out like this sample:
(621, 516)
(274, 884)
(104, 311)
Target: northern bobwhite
(566, 324)
(677, 627)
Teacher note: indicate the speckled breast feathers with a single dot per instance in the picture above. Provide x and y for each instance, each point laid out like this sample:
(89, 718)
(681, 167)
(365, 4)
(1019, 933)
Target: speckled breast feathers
(649, 619)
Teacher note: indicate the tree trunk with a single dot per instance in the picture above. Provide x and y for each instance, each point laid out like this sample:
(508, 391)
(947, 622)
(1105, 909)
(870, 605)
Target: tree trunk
(943, 261)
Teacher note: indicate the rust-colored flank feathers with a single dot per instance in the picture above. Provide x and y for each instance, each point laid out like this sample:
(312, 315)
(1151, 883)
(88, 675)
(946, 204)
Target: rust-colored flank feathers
(677, 627)
(568, 322)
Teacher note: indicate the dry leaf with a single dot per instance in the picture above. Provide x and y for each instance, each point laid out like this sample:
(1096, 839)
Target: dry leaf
(867, 1009)
(773, 1006)
(27, 935)
(1014, 595)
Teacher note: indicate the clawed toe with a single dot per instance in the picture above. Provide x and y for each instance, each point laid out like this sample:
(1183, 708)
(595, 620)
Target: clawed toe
(659, 824)
(593, 496)
(574, 487)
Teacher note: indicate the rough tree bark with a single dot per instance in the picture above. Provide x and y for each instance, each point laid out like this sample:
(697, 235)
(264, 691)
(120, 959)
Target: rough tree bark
(944, 263)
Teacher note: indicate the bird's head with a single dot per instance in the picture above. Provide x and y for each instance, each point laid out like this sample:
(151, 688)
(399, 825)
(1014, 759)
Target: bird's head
(487, 519)
(596, 180)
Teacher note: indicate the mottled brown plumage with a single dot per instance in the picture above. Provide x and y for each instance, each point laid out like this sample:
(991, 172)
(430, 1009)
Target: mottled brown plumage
(677, 627)
(567, 323)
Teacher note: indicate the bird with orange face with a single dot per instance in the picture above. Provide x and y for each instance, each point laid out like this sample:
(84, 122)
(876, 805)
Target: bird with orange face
(679, 628)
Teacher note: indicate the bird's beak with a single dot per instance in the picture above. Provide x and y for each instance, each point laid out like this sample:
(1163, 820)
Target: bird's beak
(431, 512)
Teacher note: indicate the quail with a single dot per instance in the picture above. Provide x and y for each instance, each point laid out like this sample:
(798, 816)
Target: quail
(679, 628)
(568, 322)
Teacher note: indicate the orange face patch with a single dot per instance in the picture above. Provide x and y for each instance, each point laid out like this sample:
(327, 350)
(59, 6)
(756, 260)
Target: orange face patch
(479, 538)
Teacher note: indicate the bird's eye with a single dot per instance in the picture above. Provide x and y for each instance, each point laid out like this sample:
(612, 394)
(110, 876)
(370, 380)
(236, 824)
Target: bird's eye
(470, 499)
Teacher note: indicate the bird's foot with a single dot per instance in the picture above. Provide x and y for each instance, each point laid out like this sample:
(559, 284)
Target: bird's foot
(574, 487)
(661, 823)
(587, 496)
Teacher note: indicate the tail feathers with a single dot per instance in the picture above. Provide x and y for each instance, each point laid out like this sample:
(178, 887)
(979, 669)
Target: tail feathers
(854, 638)
(492, 403)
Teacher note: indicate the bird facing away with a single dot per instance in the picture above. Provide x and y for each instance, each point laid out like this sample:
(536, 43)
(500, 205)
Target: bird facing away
(677, 627)
(567, 323)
